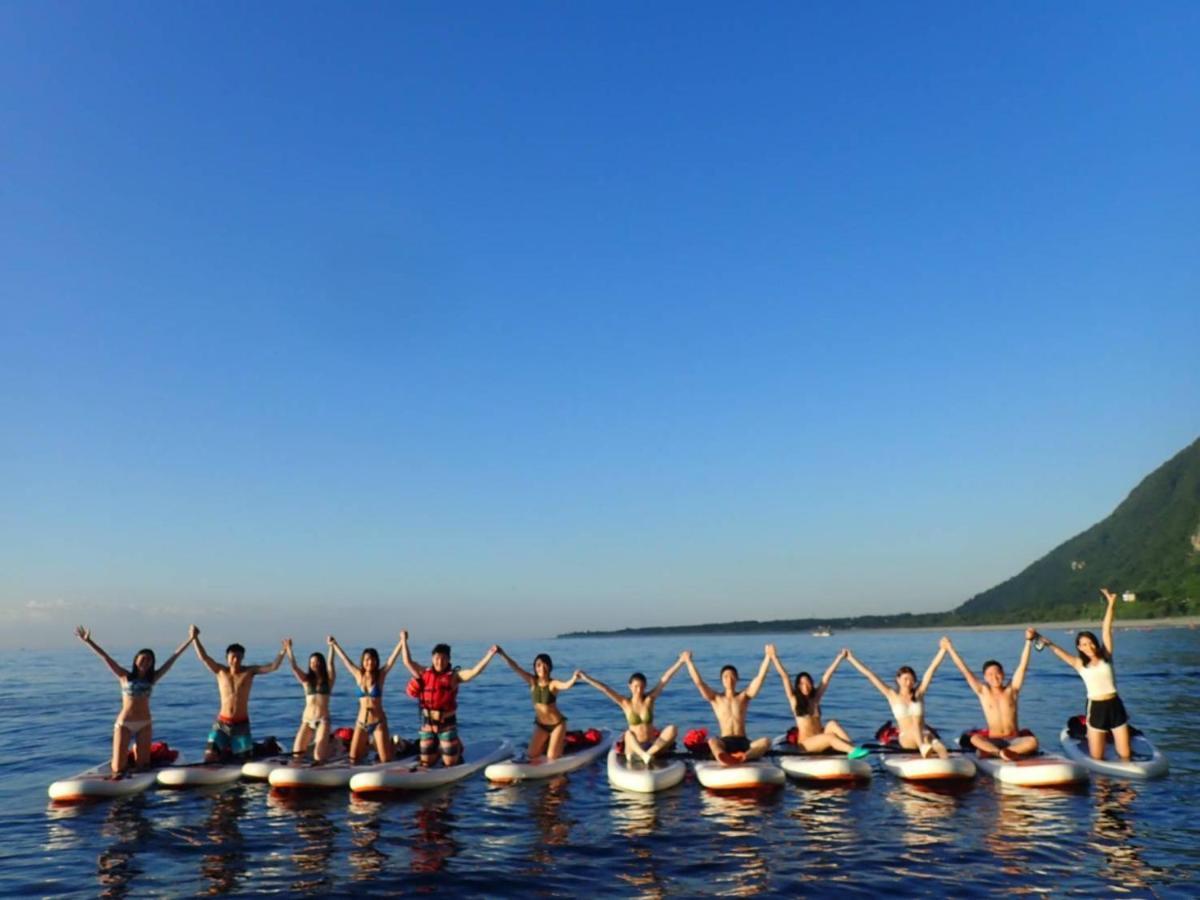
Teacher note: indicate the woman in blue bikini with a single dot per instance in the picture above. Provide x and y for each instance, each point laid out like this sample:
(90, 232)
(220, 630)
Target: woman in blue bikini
(372, 720)
(134, 720)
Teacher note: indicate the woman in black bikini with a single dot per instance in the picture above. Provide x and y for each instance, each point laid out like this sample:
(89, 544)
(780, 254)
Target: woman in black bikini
(134, 720)
(318, 681)
(549, 725)
(372, 720)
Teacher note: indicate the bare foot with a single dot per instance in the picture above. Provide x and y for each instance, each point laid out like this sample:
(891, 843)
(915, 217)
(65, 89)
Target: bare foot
(1009, 755)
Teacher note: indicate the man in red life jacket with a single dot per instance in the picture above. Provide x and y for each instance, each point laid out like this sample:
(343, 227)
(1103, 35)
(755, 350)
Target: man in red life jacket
(435, 687)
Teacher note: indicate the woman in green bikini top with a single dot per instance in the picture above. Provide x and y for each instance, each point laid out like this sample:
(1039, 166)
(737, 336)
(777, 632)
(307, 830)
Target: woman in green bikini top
(642, 739)
(549, 724)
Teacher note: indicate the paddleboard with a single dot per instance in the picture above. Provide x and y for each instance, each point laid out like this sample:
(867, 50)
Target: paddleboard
(261, 769)
(97, 783)
(828, 766)
(411, 777)
(912, 767)
(519, 770)
(199, 774)
(1040, 770)
(661, 775)
(761, 774)
(1148, 761)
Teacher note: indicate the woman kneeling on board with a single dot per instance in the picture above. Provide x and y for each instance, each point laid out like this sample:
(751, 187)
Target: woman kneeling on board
(549, 724)
(1105, 711)
(315, 726)
(907, 702)
(435, 687)
(134, 720)
(372, 720)
(642, 739)
(805, 701)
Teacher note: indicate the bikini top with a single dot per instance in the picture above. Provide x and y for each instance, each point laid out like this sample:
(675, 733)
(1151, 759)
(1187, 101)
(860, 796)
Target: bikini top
(902, 710)
(137, 687)
(634, 719)
(542, 695)
(375, 692)
(1099, 680)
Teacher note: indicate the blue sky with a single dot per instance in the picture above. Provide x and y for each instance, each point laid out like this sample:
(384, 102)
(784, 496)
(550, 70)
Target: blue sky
(515, 318)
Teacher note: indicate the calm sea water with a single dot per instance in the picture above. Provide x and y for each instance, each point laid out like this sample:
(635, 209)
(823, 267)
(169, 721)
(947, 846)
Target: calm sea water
(575, 835)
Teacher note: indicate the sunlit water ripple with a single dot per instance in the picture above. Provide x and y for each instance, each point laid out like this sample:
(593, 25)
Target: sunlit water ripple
(575, 835)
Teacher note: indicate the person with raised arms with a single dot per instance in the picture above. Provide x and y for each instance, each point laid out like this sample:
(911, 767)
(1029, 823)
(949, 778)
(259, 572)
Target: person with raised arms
(1105, 712)
(642, 739)
(549, 724)
(907, 702)
(730, 706)
(372, 720)
(805, 701)
(230, 734)
(134, 720)
(315, 726)
(1003, 736)
(435, 687)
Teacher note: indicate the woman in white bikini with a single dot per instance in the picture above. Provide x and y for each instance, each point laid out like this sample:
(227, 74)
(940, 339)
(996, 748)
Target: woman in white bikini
(805, 701)
(1105, 711)
(315, 724)
(907, 702)
(134, 720)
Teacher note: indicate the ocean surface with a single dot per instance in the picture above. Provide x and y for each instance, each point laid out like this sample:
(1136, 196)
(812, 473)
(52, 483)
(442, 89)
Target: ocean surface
(575, 836)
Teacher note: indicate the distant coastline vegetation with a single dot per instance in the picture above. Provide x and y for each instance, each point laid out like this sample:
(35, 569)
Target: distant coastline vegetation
(1149, 546)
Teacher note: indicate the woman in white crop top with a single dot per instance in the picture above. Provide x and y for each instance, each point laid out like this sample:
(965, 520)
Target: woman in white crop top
(1105, 711)
(907, 701)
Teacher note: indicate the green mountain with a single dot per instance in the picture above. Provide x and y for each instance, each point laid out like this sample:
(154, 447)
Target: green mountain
(1149, 545)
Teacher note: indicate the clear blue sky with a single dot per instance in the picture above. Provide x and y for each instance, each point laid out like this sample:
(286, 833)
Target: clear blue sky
(507, 319)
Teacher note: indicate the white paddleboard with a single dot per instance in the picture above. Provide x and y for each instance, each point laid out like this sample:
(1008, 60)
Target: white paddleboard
(199, 774)
(1039, 770)
(912, 767)
(97, 783)
(261, 769)
(516, 770)
(829, 766)
(661, 775)
(1148, 761)
(756, 775)
(411, 777)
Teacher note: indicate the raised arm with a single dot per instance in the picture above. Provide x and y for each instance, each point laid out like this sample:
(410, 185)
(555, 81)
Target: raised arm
(86, 636)
(268, 668)
(209, 663)
(705, 691)
(1106, 631)
(962, 666)
(786, 679)
(477, 669)
(828, 676)
(666, 678)
(1018, 679)
(512, 664)
(1072, 661)
(756, 685)
(166, 667)
(565, 685)
(395, 654)
(332, 668)
(406, 658)
(351, 667)
(869, 675)
(301, 675)
(927, 679)
(603, 688)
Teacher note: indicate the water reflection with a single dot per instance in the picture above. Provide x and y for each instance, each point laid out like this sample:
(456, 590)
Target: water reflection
(314, 852)
(434, 844)
(366, 858)
(739, 818)
(1028, 820)
(225, 865)
(127, 829)
(1113, 836)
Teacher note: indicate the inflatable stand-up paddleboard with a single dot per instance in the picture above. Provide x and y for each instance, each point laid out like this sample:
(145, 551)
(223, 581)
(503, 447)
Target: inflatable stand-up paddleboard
(411, 777)
(662, 773)
(97, 783)
(760, 774)
(519, 770)
(1147, 762)
(914, 767)
(823, 767)
(261, 769)
(199, 775)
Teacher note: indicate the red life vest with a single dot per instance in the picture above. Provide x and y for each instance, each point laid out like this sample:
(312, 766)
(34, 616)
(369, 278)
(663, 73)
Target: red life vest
(438, 691)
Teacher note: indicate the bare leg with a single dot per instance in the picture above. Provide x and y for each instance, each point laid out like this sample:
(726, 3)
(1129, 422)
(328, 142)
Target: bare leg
(662, 742)
(303, 739)
(383, 743)
(819, 742)
(321, 749)
(537, 744)
(141, 750)
(984, 746)
(358, 744)
(557, 738)
(633, 747)
(717, 748)
(1096, 741)
(758, 748)
(832, 727)
(1022, 746)
(120, 749)
(1121, 741)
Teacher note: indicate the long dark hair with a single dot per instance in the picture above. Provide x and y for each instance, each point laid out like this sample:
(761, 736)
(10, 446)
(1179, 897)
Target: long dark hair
(1101, 650)
(544, 657)
(374, 654)
(133, 669)
(804, 702)
(318, 681)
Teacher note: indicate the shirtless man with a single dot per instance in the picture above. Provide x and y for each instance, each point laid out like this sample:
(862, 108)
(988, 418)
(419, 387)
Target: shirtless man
(1003, 736)
(230, 735)
(732, 747)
